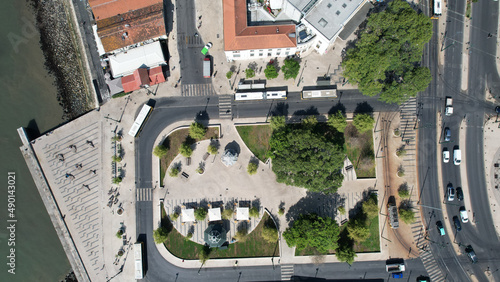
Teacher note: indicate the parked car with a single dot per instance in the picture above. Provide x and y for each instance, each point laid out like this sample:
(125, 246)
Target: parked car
(205, 49)
(471, 254)
(450, 193)
(397, 275)
(463, 215)
(446, 156)
(460, 194)
(440, 228)
(456, 222)
(447, 134)
(457, 156)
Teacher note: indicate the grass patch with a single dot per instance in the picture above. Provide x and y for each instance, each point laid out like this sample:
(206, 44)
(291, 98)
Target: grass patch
(359, 149)
(372, 244)
(256, 138)
(121, 94)
(254, 245)
(173, 143)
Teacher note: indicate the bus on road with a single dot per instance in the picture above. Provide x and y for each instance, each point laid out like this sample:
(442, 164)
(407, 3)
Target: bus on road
(138, 261)
(140, 120)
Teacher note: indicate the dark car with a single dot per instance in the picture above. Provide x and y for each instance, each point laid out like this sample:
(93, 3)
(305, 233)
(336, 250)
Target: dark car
(447, 134)
(456, 221)
(471, 254)
(460, 194)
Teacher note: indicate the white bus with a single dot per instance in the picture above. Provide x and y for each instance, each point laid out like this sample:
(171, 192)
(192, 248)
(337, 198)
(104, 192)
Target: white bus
(324, 93)
(262, 95)
(138, 261)
(140, 120)
(437, 7)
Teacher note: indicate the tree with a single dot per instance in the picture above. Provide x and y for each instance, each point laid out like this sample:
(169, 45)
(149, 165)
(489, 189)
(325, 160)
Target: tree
(363, 122)
(241, 234)
(341, 210)
(311, 230)
(174, 172)
(281, 211)
(117, 138)
(385, 59)
(252, 168)
(310, 121)
(200, 214)
(406, 214)
(212, 149)
(227, 214)
(160, 235)
(370, 207)
(271, 72)
(229, 74)
(160, 151)
(204, 254)
(404, 193)
(197, 130)
(254, 212)
(290, 69)
(358, 231)
(188, 236)
(186, 150)
(401, 152)
(278, 122)
(249, 73)
(337, 121)
(174, 216)
(117, 180)
(269, 232)
(345, 253)
(119, 234)
(116, 159)
(303, 157)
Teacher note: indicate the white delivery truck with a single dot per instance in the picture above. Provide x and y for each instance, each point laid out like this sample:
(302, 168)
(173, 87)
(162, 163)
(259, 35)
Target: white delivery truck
(206, 68)
(449, 106)
(457, 156)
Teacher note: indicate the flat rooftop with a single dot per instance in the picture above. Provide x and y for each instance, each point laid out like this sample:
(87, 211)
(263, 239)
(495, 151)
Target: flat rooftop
(329, 16)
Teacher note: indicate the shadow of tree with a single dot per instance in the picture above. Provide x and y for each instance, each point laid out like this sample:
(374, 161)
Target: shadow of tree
(337, 107)
(319, 203)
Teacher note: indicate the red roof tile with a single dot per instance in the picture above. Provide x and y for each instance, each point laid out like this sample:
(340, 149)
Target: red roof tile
(239, 36)
(133, 27)
(136, 80)
(103, 9)
(156, 76)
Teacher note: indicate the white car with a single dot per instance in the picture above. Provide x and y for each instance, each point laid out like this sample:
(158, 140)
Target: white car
(463, 215)
(446, 156)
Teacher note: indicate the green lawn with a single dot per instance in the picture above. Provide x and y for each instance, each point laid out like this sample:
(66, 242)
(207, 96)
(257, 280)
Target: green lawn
(173, 143)
(256, 138)
(254, 245)
(359, 149)
(372, 244)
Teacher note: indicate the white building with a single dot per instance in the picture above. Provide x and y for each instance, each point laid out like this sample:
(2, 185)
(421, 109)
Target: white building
(316, 25)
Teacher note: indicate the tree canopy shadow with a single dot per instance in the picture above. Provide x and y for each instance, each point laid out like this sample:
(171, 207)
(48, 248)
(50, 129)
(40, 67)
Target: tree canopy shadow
(337, 107)
(314, 202)
(202, 117)
(281, 109)
(234, 146)
(363, 108)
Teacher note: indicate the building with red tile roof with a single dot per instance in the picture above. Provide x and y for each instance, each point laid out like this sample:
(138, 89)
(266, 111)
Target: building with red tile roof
(121, 23)
(242, 41)
(142, 78)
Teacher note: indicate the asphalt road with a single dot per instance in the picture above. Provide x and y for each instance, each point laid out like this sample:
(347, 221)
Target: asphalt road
(189, 45)
(85, 24)
(169, 110)
(470, 105)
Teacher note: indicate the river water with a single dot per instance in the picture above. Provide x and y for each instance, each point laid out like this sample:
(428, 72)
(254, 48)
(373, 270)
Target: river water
(27, 95)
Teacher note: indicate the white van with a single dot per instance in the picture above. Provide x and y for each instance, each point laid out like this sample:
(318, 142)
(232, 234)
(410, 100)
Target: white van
(457, 156)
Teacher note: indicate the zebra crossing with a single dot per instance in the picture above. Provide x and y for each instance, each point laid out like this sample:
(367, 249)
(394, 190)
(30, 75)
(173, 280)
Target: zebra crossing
(286, 272)
(225, 106)
(191, 40)
(205, 89)
(144, 194)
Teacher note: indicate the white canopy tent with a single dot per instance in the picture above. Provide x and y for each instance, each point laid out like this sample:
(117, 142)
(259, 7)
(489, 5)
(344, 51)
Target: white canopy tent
(187, 215)
(214, 214)
(242, 213)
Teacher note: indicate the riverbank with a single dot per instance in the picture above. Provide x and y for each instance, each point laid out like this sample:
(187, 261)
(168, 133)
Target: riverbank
(62, 57)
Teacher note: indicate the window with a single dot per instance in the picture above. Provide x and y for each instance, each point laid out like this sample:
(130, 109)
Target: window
(288, 49)
(236, 52)
(260, 54)
(251, 54)
(269, 54)
(270, 50)
(277, 54)
(287, 53)
(323, 22)
(236, 55)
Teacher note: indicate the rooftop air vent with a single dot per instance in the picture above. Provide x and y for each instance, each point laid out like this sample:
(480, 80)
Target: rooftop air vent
(338, 12)
(323, 22)
(329, 5)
